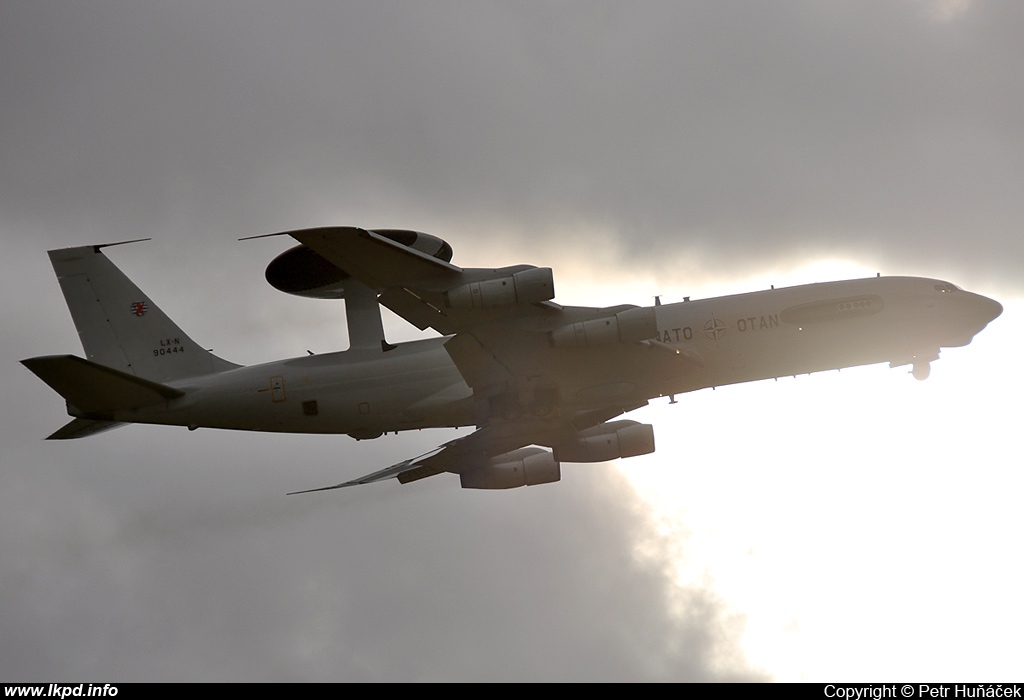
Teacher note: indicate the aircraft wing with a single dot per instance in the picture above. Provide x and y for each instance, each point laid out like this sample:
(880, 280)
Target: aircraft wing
(429, 292)
(377, 261)
(453, 456)
(397, 470)
(475, 449)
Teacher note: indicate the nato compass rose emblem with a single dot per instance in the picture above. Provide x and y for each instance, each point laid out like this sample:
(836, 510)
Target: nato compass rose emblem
(139, 308)
(714, 329)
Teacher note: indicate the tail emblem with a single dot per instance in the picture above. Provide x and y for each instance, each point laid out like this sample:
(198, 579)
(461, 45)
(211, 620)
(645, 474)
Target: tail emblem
(139, 308)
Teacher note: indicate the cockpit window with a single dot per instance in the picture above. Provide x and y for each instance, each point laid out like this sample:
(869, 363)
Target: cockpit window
(947, 288)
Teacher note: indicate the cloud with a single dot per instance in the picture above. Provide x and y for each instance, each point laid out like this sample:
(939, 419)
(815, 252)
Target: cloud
(694, 143)
(417, 583)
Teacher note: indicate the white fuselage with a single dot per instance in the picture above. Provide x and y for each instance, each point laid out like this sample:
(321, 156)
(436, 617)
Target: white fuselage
(724, 340)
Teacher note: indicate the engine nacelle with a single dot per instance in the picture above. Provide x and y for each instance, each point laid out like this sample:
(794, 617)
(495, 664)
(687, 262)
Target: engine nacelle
(303, 272)
(530, 286)
(527, 466)
(629, 326)
(603, 443)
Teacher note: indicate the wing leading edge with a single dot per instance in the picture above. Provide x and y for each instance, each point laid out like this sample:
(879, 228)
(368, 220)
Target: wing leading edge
(505, 455)
(457, 456)
(428, 291)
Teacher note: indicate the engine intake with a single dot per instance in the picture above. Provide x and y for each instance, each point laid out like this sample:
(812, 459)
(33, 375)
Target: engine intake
(530, 286)
(629, 326)
(603, 443)
(527, 466)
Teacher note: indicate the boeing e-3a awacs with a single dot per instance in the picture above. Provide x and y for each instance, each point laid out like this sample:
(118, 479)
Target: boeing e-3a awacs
(541, 383)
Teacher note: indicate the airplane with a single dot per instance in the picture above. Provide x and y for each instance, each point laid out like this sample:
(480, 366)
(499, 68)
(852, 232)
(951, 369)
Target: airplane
(541, 383)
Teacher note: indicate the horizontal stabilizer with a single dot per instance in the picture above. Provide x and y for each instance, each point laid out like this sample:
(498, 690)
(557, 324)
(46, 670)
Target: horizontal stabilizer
(84, 427)
(96, 390)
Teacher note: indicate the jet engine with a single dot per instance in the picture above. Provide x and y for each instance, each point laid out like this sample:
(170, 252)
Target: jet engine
(608, 441)
(629, 326)
(530, 285)
(527, 466)
(303, 272)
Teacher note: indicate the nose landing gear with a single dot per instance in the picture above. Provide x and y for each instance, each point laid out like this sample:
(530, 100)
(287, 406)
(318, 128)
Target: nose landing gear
(921, 370)
(921, 363)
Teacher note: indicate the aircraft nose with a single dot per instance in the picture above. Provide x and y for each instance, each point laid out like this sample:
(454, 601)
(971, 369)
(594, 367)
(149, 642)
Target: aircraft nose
(982, 309)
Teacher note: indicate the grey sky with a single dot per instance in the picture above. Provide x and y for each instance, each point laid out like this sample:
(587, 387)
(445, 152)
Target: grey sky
(722, 138)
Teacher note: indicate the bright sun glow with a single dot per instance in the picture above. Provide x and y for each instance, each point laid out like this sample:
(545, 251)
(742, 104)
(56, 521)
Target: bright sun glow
(861, 524)
(864, 524)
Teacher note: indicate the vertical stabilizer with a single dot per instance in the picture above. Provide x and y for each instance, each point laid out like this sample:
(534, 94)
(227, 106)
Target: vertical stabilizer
(121, 327)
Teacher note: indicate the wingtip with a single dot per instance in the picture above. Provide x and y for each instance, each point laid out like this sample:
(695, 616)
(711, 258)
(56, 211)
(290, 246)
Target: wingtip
(263, 235)
(322, 488)
(111, 245)
(295, 232)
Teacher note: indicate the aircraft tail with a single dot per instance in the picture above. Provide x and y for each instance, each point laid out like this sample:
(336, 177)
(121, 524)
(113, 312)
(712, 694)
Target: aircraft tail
(97, 391)
(120, 327)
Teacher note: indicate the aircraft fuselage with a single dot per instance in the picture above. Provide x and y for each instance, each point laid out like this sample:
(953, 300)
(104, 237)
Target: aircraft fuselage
(542, 383)
(698, 344)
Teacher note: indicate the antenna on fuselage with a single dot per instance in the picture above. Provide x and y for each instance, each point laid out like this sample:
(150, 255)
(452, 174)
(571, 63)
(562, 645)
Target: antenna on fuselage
(362, 312)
